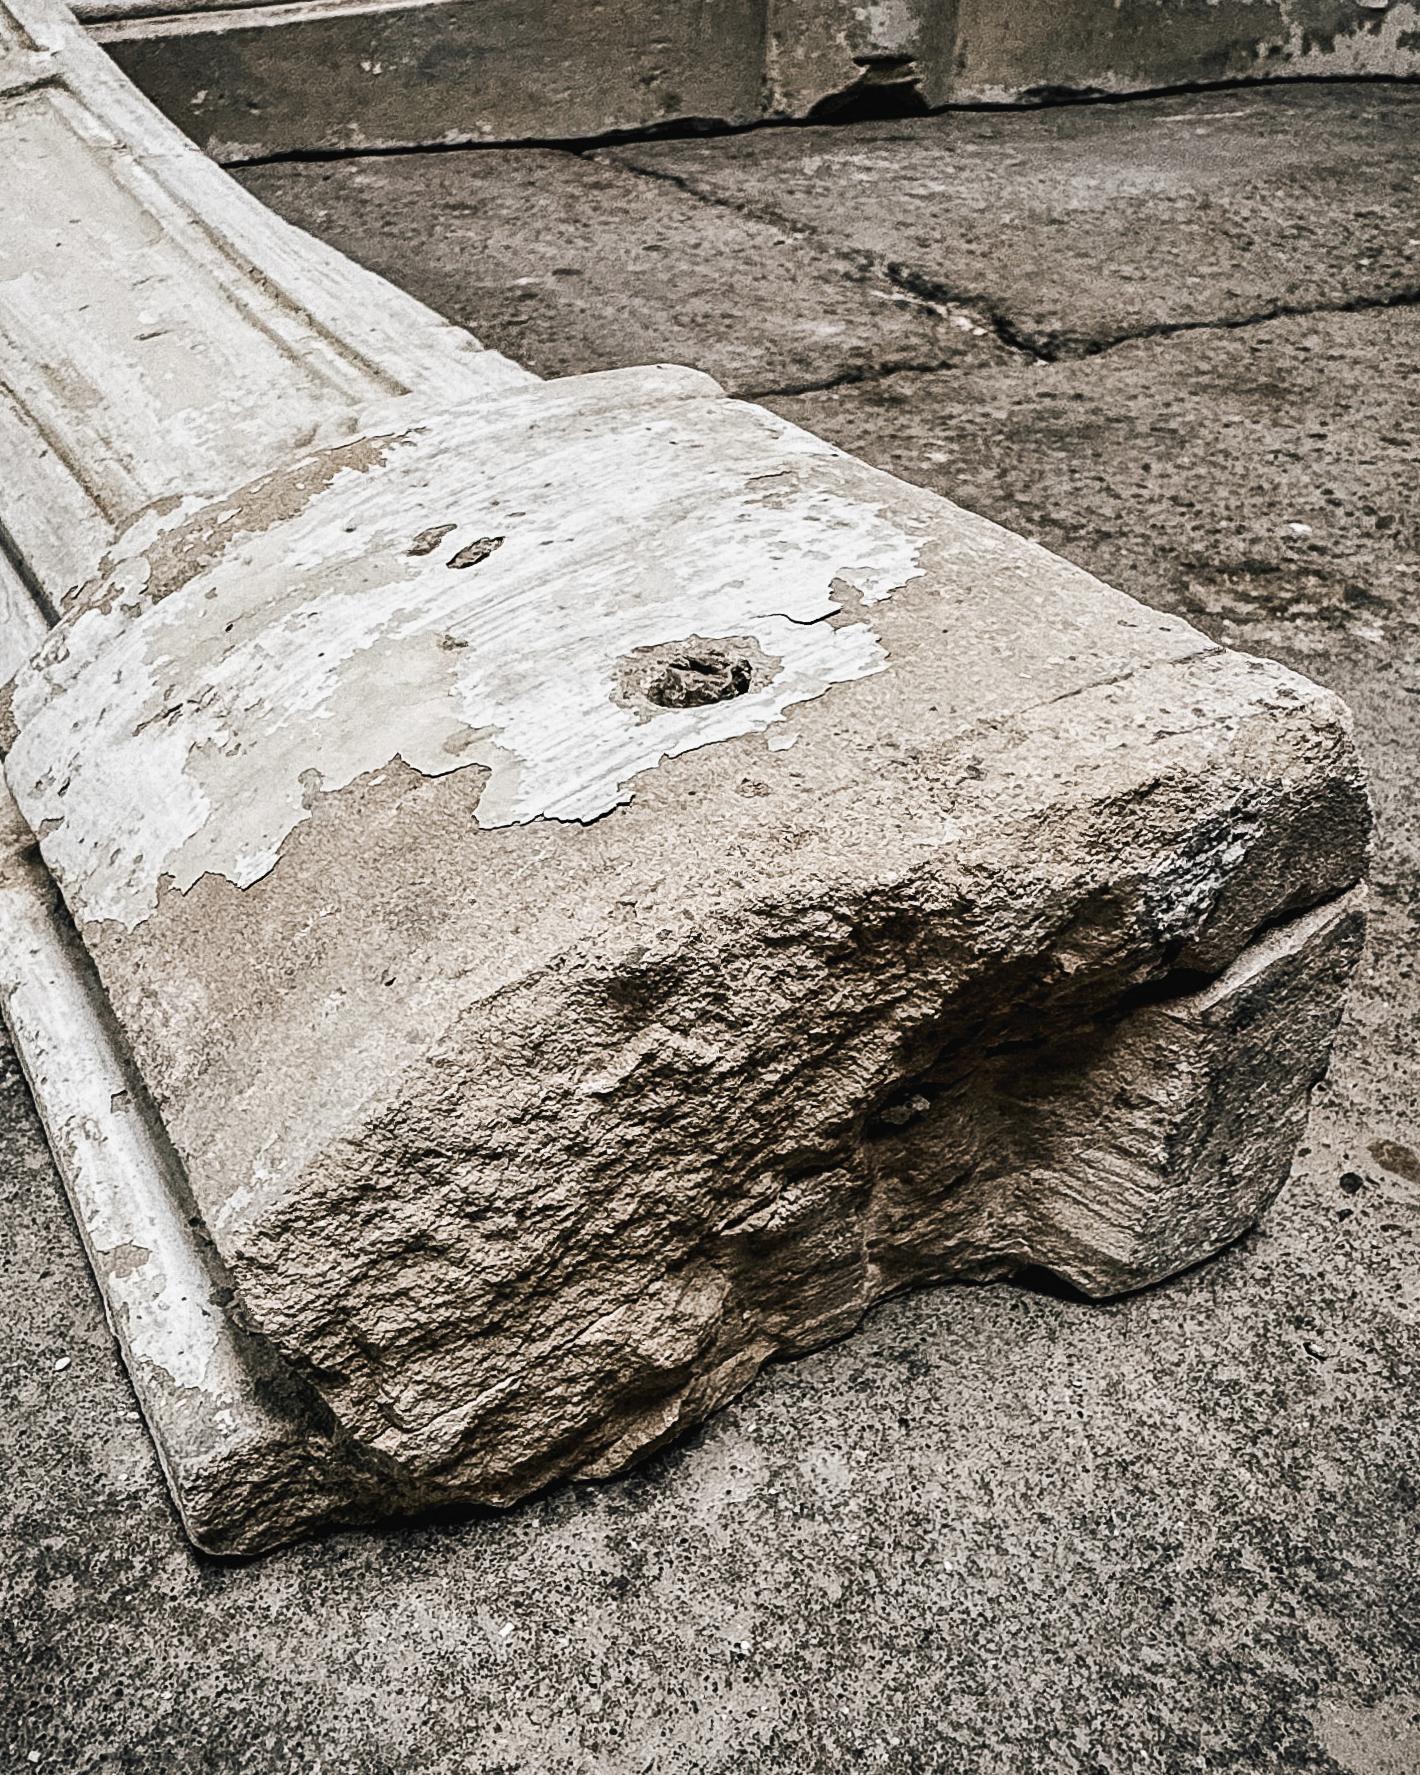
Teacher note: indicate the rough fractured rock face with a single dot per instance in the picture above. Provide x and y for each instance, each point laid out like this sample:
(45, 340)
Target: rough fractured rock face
(534, 1094)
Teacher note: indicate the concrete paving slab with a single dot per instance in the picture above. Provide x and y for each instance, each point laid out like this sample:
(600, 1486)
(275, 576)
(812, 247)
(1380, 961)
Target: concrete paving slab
(570, 264)
(1083, 224)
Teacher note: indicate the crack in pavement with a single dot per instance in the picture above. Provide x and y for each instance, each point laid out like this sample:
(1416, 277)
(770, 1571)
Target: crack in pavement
(1012, 335)
(1051, 350)
(851, 378)
(966, 307)
(1231, 323)
(1054, 348)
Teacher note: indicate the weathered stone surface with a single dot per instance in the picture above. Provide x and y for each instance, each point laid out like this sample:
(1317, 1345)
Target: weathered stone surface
(534, 1047)
(255, 79)
(791, 1029)
(995, 1529)
(572, 264)
(1211, 209)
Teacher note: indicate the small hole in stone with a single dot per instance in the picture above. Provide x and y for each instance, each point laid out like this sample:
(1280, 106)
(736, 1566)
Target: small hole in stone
(428, 540)
(692, 680)
(476, 552)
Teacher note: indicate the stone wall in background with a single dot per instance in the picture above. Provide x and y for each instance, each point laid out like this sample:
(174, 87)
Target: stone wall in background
(1005, 53)
(270, 76)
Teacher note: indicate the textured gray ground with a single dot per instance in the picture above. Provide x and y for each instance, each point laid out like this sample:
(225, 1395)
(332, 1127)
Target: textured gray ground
(996, 1531)
(783, 257)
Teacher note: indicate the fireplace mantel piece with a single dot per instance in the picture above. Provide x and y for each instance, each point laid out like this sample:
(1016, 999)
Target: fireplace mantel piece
(521, 901)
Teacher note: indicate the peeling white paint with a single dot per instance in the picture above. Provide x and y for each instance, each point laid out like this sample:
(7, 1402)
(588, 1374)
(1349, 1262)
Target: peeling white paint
(190, 735)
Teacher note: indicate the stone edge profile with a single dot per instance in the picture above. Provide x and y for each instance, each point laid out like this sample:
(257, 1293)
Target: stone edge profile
(251, 1452)
(232, 1428)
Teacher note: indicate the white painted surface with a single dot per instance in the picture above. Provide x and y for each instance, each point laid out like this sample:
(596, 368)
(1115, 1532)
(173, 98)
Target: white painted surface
(635, 509)
(159, 1296)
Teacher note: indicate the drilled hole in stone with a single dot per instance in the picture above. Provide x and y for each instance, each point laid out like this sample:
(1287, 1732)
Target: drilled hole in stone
(691, 672)
(692, 680)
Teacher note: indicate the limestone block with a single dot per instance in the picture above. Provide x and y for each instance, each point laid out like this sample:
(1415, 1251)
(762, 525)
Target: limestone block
(1008, 53)
(239, 78)
(542, 1051)
(526, 900)
(262, 77)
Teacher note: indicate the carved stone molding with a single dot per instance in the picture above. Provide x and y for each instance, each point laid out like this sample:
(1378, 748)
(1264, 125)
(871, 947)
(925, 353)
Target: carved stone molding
(522, 901)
